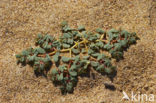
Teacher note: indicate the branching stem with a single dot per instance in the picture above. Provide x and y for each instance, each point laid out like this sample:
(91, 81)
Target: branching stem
(84, 41)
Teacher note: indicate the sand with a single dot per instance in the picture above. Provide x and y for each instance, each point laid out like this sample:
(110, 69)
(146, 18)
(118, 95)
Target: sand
(22, 20)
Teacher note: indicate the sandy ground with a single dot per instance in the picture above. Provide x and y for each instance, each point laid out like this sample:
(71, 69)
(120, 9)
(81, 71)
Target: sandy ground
(21, 20)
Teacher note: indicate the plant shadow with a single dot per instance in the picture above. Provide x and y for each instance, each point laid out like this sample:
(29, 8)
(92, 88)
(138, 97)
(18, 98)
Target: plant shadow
(43, 72)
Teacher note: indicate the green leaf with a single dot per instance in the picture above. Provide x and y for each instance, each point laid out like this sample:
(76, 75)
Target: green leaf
(66, 78)
(69, 87)
(90, 51)
(25, 53)
(100, 44)
(74, 33)
(97, 35)
(56, 57)
(66, 35)
(117, 47)
(47, 59)
(95, 55)
(65, 59)
(107, 62)
(94, 47)
(73, 67)
(132, 40)
(123, 43)
(86, 57)
(41, 66)
(39, 50)
(81, 28)
(70, 41)
(39, 35)
(73, 73)
(76, 58)
(113, 34)
(101, 56)
(64, 23)
(60, 77)
(108, 70)
(40, 42)
(67, 29)
(73, 79)
(94, 64)
(86, 66)
(100, 67)
(66, 45)
(22, 59)
(125, 33)
(83, 51)
(53, 78)
(35, 67)
(116, 54)
(85, 35)
(90, 33)
(37, 58)
(48, 38)
(45, 44)
(75, 51)
(36, 63)
(64, 41)
(108, 46)
(92, 38)
(113, 31)
(79, 35)
(18, 56)
(49, 47)
(62, 68)
(31, 58)
(84, 61)
(100, 31)
(54, 71)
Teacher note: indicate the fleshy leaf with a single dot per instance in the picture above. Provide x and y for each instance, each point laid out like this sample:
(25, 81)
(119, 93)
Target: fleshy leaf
(69, 87)
(54, 71)
(62, 68)
(94, 64)
(66, 45)
(100, 31)
(65, 59)
(18, 56)
(56, 57)
(100, 67)
(60, 77)
(81, 28)
(64, 23)
(108, 70)
(66, 35)
(86, 57)
(39, 50)
(75, 51)
(73, 73)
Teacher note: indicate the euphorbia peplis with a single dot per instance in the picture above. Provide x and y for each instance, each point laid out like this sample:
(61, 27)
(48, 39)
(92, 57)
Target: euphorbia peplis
(86, 51)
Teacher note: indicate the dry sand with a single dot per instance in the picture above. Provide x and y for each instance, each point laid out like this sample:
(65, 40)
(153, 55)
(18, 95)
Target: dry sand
(21, 20)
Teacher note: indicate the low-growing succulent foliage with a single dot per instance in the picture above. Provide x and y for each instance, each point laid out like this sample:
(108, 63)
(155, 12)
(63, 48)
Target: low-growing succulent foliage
(87, 50)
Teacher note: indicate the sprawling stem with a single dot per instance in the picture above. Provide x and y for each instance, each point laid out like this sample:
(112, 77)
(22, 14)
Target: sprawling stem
(69, 49)
(84, 41)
